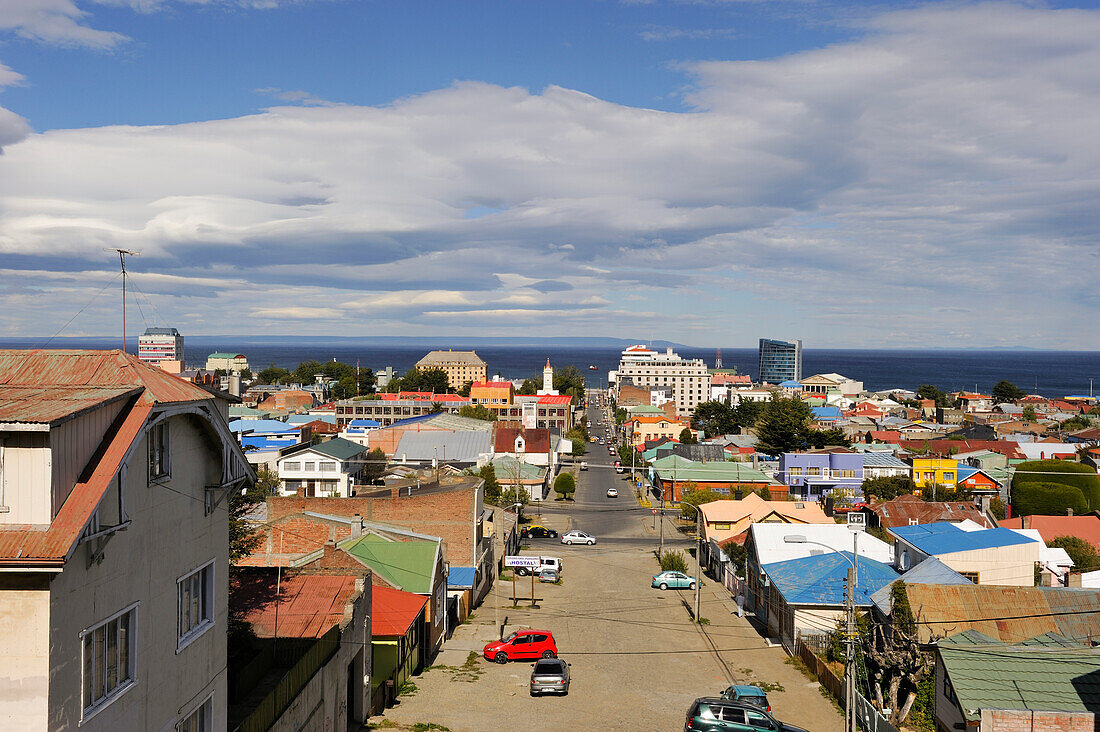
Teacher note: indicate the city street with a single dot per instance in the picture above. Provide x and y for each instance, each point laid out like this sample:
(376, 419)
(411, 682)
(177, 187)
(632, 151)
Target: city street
(637, 660)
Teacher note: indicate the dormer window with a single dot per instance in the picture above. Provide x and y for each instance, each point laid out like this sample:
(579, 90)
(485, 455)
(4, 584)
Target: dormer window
(519, 444)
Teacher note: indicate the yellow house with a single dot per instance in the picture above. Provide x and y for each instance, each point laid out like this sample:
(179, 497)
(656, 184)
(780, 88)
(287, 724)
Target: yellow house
(647, 428)
(929, 472)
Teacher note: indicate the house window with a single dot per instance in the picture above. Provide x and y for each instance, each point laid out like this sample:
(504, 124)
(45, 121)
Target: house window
(813, 471)
(328, 467)
(196, 604)
(948, 477)
(724, 526)
(310, 467)
(200, 720)
(847, 473)
(292, 466)
(107, 660)
(972, 576)
(795, 471)
(158, 450)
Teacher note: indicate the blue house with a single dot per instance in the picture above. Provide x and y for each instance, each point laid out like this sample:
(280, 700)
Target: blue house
(808, 592)
(984, 556)
(812, 476)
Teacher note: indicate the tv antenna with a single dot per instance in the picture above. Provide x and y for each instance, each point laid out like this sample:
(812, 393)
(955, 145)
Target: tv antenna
(122, 254)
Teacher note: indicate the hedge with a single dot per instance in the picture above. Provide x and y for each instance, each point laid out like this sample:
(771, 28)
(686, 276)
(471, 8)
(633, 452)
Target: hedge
(1047, 499)
(1081, 477)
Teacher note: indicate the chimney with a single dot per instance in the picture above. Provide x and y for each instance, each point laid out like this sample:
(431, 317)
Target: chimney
(395, 492)
(329, 553)
(356, 526)
(1025, 522)
(1073, 579)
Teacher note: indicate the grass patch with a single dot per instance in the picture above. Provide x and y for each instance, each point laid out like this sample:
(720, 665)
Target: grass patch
(469, 671)
(703, 621)
(769, 686)
(427, 726)
(801, 667)
(408, 689)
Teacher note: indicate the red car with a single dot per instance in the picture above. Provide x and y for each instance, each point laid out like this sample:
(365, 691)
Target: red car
(522, 644)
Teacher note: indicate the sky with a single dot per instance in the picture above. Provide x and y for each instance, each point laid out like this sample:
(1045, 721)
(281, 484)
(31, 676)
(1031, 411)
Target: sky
(864, 175)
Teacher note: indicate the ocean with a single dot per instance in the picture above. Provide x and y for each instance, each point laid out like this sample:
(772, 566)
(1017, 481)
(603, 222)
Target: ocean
(1050, 373)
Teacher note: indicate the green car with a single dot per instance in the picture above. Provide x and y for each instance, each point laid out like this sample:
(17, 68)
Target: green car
(713, 714)
(673, 579)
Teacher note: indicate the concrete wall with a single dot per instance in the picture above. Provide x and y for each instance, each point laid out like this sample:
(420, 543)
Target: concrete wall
(170, 536)
(1007, 565)
(324, 703)
(25, 650)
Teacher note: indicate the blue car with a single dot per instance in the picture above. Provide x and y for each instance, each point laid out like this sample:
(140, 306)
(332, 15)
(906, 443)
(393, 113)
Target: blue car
(748, 694)
(673, 579)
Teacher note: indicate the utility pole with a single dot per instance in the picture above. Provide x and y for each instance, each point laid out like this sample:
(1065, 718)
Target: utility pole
(698, 558)
(850, 666)
(122, 260)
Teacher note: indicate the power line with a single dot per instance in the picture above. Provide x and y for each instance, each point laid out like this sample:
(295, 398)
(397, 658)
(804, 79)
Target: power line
(78, 312)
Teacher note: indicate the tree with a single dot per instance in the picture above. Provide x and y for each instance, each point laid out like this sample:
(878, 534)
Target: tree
(621, 415)
(488, 473)
(1029, 414)
(436, 408)
(928, 391)
(997, 508)
(530, 386)
(783, 426)
(579, 439)
(747, 412)
(272, 375)
(1074, 423)
(687, 437)
(243, 537)
(246, 374)
(464, 390)
(691, 497)
(1084, 555)
(715, 418)
(946, 493)
(570, 381)
(375, 466)
(565, 486)
(1047, 499)
(887, 488)
(736, 552)
(477, 411)
(896, 665)
(1006, 391)
(1079, 476)
(824, 438)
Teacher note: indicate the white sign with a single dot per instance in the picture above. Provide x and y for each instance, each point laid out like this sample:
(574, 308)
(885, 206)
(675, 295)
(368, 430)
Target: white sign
(529, 562)
(857, 520)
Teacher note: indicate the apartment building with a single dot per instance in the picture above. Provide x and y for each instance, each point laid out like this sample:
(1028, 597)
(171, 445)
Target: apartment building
(227, 362)
(113, 544)
(460, 366)
(687, 379)
(780, 361)
(160, 344)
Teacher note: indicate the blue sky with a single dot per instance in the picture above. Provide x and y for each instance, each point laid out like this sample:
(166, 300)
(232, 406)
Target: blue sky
(864, 175)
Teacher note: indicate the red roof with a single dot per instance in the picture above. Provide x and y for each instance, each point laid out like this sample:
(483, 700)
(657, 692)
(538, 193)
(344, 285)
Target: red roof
(39, 367)
(891, 436)
(1051, 527)
(53, 404)
(491, 384)
(308, 604)
(534, 440)
(952, 447)
(555, 399)
(394, 611)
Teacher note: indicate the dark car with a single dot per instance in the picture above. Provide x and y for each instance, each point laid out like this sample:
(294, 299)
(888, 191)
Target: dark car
(550, 675)
(538, 532)
(714, 714)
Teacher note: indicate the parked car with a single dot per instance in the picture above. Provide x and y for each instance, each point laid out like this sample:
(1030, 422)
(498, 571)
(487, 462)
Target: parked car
(748, 694)
(538, 532)
(553, 563)
(710, 714)
(522, 644)
(550, 675)
(584, 466)
(577, 537)
(612, 493)
(549, 575)
(675, 580)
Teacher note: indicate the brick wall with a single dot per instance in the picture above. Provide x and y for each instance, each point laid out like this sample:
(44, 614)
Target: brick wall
(1010, 720)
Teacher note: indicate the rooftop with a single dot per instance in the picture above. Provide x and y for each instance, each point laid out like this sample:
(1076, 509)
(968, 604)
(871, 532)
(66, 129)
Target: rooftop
(945, 538)
(394, 611)
(407, 565)
(308, 604)
(819, 579)
(449, 356)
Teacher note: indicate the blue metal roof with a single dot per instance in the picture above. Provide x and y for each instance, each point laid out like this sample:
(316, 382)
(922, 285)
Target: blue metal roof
(412, 420)
(364, 423)
(944, 537)
(819, 578)
(265, 443)
(262, 425)
(965, 471)
(461, 578)
(826, 412)
(790, 385)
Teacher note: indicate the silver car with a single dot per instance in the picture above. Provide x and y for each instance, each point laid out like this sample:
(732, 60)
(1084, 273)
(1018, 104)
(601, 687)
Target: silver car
(549, 675)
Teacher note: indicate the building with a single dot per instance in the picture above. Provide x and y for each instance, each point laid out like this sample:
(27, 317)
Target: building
(670, 474)
(329, 468)
(813, 476)
(227, 362)
(460, 366)
(643, 429)
(780, 361)
(985, 557)
(688, 379)
(883, 465)
(1085, 527)
(928, 473)
(386, 409)
(729, 520)
(830, 385)
(160, 344)
(913, 511)
(114, 541)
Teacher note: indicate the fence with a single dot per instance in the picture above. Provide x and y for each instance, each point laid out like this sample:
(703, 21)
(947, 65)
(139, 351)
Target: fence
(868, 718)
(820, 669)
(288, 688)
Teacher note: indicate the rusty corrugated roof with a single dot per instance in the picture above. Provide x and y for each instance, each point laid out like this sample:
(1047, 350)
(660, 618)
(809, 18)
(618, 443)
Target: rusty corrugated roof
(308, 604)
(25, 545)
(50, 405)
(50, 368)
(1008, 614)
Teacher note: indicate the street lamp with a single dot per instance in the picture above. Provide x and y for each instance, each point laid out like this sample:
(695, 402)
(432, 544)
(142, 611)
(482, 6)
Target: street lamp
(850, 612)
(698, 552)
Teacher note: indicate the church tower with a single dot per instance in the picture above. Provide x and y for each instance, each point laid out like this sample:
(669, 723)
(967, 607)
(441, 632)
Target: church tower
(548, 377)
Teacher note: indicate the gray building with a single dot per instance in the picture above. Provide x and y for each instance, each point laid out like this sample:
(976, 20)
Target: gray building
(780, 361)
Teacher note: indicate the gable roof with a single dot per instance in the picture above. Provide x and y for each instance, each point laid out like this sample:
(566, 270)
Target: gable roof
(1086, 527)
(308, 604)
(929, 572)
(534, 440)
(338, 448)
(905, 510)
(681, 469)
(407, 565)
(56, 404)
(946, 538)
(819, 579)
(465, 446)
(768, 540)
(756, 507)
(394, 611)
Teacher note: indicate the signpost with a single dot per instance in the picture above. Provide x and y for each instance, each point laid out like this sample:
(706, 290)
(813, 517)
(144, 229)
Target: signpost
(531, 563)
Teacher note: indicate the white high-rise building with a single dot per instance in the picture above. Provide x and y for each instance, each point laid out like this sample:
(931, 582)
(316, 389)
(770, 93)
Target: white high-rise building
(688, 379)
(160, 344)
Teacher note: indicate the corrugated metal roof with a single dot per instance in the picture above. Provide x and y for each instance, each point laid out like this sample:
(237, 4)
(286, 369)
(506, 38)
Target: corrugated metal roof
(47, 368)
(944, 537)
(450, 446)
(407, 565)
(461, 578)
(308, 604)
(339, 448)
(929, 572)
(393, 611)
(50, 405)
(820, 579)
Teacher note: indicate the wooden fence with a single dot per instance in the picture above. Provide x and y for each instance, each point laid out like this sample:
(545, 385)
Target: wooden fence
(821, 670)
(274, 704)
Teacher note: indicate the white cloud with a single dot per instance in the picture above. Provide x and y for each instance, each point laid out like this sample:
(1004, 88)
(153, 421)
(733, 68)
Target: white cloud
(941, 170)
(58, 22)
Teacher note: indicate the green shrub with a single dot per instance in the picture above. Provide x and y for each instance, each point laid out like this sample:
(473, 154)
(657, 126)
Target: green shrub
(674, 561)
(565, 485)
(1081, 477)
(1047, 499)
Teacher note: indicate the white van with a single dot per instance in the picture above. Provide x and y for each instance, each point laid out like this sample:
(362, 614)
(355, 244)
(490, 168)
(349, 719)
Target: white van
(544, 563)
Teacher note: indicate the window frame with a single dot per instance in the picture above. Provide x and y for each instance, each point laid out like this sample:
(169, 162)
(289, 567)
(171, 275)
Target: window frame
(206, 704)
(98, 705)
(186, 638)
(160, 451)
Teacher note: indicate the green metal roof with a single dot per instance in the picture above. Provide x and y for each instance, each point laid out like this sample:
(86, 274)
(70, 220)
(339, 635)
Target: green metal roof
(683, 469)
(644, 409)
(1027, 677)
(219, 354)
(339, 448)
(409, 565)
(505, 468)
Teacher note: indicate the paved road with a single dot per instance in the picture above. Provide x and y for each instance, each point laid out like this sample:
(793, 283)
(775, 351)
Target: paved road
(637, 659)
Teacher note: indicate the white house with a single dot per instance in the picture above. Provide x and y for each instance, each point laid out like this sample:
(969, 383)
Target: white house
(328, 468)
(113, 544)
